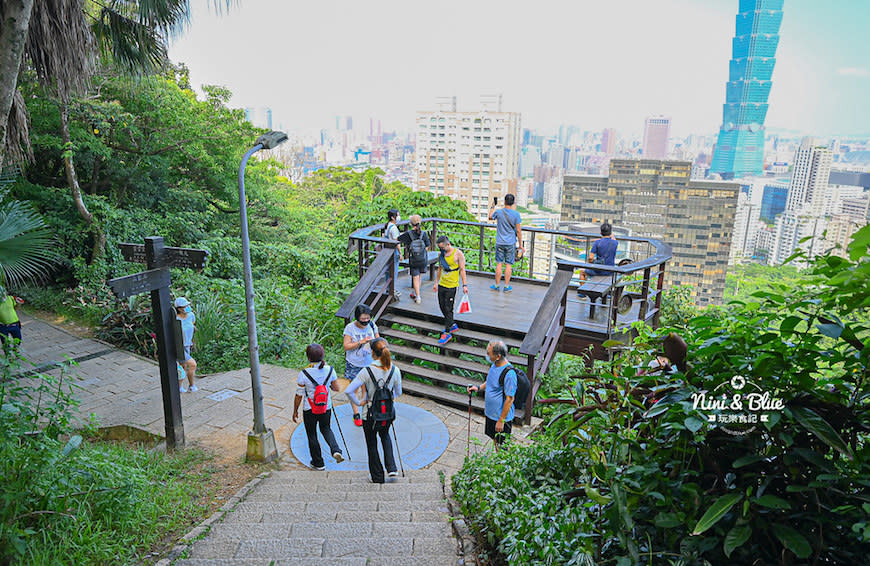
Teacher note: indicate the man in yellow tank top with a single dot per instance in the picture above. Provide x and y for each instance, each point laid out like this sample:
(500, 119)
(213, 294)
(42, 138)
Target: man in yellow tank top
(451, 266)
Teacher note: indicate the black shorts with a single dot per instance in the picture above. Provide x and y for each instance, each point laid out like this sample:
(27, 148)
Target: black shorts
(489, 430)
(417, 269)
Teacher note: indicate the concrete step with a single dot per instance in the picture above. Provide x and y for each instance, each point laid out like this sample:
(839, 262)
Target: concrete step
(310, 530)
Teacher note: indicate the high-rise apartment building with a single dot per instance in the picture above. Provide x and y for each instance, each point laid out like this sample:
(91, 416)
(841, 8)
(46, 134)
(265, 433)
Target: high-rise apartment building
(807, 205)
(658, 199)
(469, 156)
(740, 146)
(608, 141)
(809, 180)
(656, 131)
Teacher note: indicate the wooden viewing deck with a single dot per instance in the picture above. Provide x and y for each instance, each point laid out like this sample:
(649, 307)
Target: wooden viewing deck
(543, 313)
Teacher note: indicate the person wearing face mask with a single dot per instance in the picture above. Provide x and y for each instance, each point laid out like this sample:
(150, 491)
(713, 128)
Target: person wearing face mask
(358, 336)
(391, 231)
(416, 243)
(498, 399)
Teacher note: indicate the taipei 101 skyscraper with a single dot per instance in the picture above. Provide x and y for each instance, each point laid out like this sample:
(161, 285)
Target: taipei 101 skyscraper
(740, 146)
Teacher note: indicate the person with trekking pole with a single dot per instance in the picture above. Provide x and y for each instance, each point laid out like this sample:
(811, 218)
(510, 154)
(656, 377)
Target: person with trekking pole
(499, 393)
(312, 388)
(383, 384)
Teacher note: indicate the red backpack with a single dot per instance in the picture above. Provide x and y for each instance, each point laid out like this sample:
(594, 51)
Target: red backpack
(321, 395)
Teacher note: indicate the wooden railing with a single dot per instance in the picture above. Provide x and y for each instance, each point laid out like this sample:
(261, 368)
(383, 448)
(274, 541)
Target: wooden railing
(542, 262)
(371, 283)
(542, 339)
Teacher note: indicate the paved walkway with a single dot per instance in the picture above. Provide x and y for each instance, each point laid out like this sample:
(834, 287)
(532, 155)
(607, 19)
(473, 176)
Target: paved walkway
(120, 388)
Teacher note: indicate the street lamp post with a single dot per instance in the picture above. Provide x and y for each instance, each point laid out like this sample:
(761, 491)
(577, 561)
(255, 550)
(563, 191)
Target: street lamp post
(261, 440)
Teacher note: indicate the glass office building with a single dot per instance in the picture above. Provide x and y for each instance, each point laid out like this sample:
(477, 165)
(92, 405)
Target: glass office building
(740, 145)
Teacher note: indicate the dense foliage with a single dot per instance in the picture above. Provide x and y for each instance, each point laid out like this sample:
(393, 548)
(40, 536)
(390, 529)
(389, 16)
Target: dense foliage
(154, 160)
(66, 500)
(637, 473)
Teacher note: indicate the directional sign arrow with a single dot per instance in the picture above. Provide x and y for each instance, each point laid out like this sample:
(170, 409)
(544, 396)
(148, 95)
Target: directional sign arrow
(190, 258)
(130, 285)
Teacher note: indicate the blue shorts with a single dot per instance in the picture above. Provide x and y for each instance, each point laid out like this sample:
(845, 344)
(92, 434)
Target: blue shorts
(505, 253)
(597, 272)
(350, 370)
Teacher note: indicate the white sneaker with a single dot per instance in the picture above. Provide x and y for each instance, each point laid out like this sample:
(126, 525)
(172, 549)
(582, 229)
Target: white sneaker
(417, 299)
(182, 389)
(194, 388)
(393, 474)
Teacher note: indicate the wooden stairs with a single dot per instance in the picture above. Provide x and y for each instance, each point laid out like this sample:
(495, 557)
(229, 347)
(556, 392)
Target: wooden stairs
(442, 372)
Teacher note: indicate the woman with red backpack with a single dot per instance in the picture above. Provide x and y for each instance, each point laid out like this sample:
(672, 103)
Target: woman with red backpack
(314, 383)
(383, 384)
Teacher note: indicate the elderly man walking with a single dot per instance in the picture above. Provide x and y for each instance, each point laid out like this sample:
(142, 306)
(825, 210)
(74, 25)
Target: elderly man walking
(499, 396)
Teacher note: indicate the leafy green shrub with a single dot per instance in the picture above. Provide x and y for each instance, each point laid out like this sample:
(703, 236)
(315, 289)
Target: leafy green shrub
(67, 501)
(514, 499)
(672, 486)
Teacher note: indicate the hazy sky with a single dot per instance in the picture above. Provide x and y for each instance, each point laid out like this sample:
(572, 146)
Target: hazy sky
(592, 63)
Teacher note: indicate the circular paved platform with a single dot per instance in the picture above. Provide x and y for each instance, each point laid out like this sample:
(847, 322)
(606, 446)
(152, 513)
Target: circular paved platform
(422, 438)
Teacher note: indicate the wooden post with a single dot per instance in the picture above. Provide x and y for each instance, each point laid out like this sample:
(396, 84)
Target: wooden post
(644, 295)
(532, 255)
(480, 249)
(155, 254)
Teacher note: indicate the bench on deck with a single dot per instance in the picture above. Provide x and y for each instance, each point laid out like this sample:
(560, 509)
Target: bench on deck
(597, 287)
(431, 263)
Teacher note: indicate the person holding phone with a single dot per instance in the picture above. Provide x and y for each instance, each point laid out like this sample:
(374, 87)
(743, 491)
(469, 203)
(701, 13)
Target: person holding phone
(508, 239)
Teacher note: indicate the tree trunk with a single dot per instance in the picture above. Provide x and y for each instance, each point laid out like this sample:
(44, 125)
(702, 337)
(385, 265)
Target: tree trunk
(14, 21)
(73, 182)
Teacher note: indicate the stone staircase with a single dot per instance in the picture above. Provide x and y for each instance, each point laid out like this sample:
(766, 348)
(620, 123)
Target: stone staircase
(447, 368)
(334, 518)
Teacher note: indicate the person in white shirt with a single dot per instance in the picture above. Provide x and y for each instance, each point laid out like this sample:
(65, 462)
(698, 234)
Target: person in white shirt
(322, 374)
(387, 375)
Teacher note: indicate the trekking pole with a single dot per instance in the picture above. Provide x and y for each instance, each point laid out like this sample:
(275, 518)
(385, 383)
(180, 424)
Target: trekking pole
(399, 452)
(468, 439)
(346, 451)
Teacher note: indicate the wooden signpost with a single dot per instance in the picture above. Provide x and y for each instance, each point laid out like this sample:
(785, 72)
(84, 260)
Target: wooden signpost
(158, 259)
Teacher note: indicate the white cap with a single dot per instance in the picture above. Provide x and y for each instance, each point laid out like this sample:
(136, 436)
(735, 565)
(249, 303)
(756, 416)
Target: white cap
(181, 302)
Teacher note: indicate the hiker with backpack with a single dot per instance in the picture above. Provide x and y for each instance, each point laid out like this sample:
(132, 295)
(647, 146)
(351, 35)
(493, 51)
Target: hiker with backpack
(312, 384)
(357, 346)
(383, 384)
(416, 245)
(504, 384)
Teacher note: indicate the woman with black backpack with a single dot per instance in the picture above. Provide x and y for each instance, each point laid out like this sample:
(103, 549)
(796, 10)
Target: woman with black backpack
(314, 382)
(383, 384)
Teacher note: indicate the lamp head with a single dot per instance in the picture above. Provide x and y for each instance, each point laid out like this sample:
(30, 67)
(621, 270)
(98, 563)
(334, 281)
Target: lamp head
(271, 140)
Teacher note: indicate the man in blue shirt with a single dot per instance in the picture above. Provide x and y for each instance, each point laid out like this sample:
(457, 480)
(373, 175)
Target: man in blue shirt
(508, 237)
(603, 252)
(498, 400)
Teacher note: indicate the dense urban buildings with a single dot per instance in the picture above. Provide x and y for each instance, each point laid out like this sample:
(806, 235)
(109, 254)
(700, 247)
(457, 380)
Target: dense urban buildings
(469, 156)
(656, 131)
(659, 199)
(740, 146)
(807, 206)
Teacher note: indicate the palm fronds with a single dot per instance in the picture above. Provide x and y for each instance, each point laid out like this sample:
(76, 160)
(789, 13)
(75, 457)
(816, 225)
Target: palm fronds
(25, 243)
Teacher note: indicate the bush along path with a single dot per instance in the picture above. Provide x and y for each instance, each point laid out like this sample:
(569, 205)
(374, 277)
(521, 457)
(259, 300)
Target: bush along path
(334, 518)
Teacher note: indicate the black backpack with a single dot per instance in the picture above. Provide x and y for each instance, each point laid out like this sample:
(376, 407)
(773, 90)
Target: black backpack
(417, 249)
(523, 385)
(382, 410)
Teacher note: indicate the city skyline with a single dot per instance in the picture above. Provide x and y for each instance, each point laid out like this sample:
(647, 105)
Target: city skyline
(389, 61)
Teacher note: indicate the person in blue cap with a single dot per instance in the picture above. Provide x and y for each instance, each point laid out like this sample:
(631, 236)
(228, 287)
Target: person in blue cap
(188, 320)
